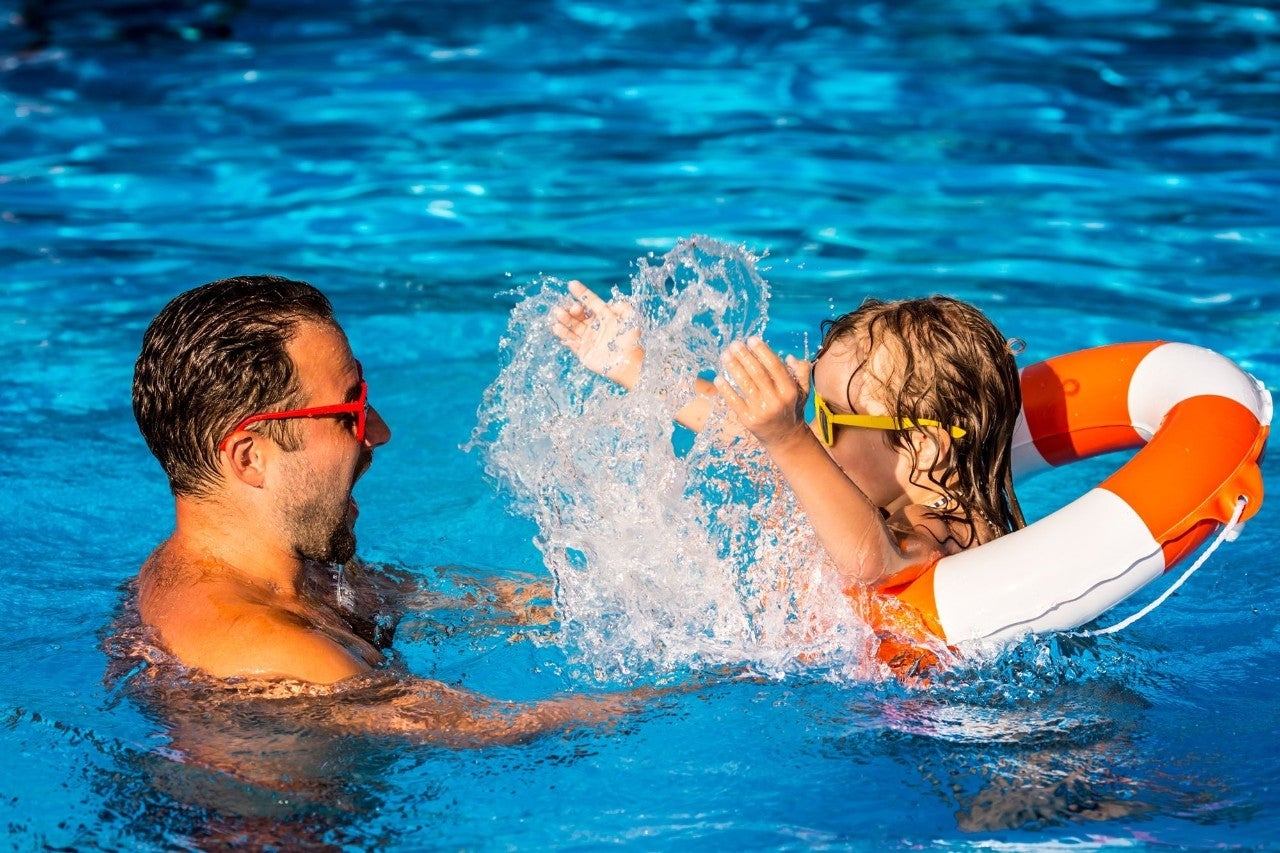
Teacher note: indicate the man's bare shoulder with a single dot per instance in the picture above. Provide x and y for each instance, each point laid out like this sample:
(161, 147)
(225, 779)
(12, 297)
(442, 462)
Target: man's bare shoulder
(210, 619)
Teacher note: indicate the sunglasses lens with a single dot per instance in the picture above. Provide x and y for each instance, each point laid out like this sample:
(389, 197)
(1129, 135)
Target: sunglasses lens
(824, 426)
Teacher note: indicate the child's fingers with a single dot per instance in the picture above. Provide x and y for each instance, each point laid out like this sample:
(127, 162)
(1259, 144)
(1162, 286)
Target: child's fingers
(737, 372)
(565, 325)
(576, 310)
(587, 297)
(570, 318)
(729, 394)
(801, 371)
(564, 333)
(746, 369)
(771, 365)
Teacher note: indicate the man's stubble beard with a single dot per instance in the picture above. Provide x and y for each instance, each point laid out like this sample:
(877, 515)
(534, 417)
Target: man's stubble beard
(317, 519)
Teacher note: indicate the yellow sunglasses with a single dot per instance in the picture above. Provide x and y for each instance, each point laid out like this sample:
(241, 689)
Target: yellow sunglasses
(829, 420)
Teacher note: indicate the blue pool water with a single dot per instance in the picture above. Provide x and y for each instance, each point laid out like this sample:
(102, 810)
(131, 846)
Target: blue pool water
(1087, 172)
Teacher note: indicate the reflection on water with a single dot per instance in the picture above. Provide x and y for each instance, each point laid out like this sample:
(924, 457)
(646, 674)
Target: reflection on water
(1027, 764)
(1050, 734)
(247, 776)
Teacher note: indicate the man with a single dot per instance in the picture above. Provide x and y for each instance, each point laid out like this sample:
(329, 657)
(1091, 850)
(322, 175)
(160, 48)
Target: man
(248, 394)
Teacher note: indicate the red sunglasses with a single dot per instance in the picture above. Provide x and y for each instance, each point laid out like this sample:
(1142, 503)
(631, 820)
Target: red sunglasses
(358, 407)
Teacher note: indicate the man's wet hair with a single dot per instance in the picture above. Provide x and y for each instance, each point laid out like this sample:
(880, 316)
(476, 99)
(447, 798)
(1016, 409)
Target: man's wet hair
(214, 356)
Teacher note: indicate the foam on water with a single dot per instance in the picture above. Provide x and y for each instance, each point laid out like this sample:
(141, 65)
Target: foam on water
(665, 553)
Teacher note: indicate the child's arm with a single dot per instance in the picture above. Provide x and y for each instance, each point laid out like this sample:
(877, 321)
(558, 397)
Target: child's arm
(601, 335)
(770, 402)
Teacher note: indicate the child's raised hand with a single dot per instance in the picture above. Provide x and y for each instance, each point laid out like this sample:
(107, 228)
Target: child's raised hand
(600, 334)
(766, 394)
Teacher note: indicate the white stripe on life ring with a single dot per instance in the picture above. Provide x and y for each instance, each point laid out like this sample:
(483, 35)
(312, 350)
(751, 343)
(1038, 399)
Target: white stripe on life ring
(1078, 562)
(1175, 372)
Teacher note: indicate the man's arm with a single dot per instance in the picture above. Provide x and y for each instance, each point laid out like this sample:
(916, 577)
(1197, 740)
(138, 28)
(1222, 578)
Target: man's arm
(277, 645)
(434, 712)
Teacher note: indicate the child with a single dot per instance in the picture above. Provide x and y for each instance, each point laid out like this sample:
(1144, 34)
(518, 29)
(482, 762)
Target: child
(907, 458)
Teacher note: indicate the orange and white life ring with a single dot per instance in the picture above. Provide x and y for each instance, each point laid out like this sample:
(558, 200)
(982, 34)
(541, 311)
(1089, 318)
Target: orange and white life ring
(1200, 423)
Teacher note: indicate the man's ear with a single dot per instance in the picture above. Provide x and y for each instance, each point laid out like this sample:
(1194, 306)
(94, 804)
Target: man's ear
(246, 459)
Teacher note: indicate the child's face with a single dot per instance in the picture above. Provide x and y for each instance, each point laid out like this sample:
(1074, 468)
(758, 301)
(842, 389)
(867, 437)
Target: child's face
(851, 384)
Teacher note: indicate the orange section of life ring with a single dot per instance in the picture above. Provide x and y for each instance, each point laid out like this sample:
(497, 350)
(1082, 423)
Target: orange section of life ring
(1077, 405)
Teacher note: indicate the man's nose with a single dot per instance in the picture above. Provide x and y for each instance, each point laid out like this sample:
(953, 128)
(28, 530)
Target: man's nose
(376, 431)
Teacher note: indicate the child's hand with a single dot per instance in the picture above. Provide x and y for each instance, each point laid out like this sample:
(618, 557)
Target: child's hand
(767, 395)
(600, 335)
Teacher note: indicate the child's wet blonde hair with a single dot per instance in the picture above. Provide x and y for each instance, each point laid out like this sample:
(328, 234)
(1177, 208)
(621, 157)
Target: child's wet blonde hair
(953, 366)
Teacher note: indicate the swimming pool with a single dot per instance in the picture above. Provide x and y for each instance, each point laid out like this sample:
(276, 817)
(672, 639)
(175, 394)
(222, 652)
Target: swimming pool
(1086, 172)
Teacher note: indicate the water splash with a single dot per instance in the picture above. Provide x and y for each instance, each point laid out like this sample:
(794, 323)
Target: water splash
(665, 553)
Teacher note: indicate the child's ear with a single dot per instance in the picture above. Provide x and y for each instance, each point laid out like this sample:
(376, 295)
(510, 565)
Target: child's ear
(932, 448)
